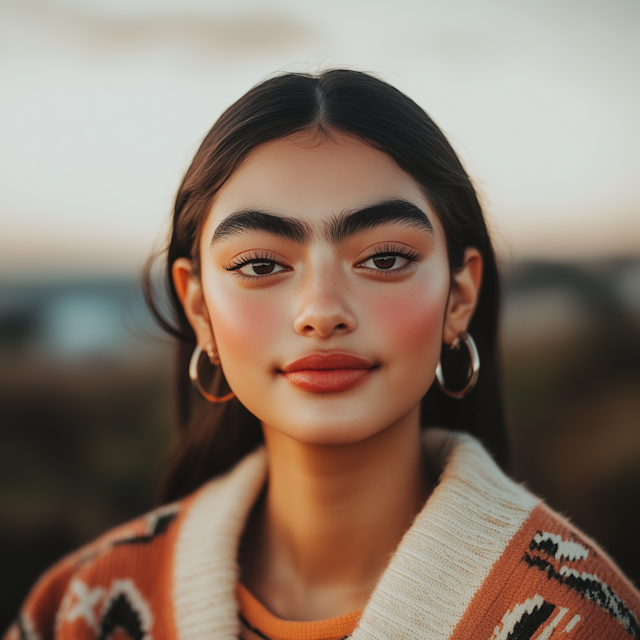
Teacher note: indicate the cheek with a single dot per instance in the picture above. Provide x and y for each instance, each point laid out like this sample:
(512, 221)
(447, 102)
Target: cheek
(410, 322)
(244, 323)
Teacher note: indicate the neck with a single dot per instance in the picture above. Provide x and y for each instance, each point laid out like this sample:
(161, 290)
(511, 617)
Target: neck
(331, 518)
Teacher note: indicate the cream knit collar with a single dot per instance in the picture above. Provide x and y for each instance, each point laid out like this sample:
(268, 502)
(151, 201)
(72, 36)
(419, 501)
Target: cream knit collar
(439, 565)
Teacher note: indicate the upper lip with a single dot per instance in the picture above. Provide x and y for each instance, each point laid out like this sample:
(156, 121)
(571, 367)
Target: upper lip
(326, 361)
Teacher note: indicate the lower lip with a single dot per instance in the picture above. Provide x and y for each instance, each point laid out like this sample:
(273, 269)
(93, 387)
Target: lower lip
(328, 381)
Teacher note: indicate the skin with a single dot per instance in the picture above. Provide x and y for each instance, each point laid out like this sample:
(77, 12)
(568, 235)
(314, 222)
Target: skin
(346, 474)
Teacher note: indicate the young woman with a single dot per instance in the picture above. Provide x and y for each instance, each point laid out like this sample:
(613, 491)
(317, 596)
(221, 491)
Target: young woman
(336, 298)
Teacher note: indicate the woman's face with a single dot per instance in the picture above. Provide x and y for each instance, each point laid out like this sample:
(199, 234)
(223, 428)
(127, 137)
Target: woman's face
(324, 284)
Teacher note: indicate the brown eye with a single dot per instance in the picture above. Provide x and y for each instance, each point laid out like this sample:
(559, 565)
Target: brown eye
(263, 268)
(385, 262)
(260, 268)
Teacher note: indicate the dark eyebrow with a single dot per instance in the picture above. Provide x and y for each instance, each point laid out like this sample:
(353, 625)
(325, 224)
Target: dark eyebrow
(349, 223)
(250, 220)
(340, 227)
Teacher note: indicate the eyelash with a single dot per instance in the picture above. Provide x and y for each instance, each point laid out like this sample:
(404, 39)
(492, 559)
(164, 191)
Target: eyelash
(252, 257)
(388, 250)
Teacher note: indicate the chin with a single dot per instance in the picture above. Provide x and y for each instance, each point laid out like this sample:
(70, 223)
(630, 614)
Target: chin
(317, 428)
(330, 435)
(332, 420)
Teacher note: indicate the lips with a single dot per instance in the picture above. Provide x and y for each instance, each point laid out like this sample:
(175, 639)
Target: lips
(328, 372)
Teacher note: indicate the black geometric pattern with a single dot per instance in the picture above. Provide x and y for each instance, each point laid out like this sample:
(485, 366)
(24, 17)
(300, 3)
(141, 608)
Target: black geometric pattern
(159, 527)
(542, 556)
(530, 622)
(121, 614)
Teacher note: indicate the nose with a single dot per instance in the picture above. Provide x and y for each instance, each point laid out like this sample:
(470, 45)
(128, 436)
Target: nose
(324, 311)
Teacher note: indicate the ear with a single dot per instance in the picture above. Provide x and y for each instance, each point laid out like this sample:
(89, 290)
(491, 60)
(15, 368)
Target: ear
(189, 290)
(463, 295)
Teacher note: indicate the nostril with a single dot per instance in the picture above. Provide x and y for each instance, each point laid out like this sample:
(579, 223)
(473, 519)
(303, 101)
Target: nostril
(341, 326)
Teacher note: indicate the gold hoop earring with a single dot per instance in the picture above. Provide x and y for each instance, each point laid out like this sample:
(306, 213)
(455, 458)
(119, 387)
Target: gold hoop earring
(213, 356)
(474, 367)
(193, 374)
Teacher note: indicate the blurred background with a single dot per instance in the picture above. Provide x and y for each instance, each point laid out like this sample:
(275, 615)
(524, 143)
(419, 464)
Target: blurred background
(102, 106)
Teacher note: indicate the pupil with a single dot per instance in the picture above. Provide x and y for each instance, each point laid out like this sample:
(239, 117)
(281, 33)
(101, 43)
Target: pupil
(384, 262)
(263, 268)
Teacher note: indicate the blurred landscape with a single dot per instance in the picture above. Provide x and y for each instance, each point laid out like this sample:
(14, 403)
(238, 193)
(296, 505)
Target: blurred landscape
(86, 408)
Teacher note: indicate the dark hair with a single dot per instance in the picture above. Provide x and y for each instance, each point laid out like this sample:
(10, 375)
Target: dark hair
(213, 437)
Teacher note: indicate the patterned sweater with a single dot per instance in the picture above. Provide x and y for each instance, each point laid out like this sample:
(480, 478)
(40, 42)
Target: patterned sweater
(483, 560)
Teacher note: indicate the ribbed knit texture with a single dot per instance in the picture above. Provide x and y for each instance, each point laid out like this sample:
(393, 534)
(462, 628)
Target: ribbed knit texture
(448, 552)
(483, 560)
(258, 622)
(206, 570)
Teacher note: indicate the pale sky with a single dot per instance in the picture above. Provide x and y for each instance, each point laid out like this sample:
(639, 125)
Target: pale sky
(104, 102)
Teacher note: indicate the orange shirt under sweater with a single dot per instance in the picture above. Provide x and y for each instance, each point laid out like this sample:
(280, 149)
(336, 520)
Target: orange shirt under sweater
(259, 623)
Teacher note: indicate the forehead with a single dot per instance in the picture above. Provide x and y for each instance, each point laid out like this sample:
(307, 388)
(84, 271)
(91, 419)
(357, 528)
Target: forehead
(313, 179)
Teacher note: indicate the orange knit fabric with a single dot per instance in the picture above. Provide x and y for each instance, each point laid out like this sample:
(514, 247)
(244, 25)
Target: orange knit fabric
(258, 622)
(129, 567)
(552, 583)
(172, 575)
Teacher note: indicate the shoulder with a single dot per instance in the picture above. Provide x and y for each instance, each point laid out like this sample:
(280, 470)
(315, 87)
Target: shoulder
(552, 578)
(113, 579)
(530, 572)
(172, 568)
